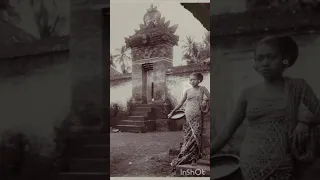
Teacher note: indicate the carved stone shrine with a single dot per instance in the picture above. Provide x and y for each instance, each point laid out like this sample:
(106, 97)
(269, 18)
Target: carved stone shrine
(152, 54)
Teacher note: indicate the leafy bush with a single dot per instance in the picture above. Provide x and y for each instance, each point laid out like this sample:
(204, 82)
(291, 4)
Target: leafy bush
(21, 157)
(129, 105)
(12, 153)
(114, 109)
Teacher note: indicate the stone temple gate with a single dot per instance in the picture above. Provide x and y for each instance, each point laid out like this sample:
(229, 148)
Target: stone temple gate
(152, 54)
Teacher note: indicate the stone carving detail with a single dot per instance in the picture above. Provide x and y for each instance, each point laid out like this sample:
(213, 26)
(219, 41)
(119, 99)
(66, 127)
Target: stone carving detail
(155, 37)
(152, 51)
(152, 16)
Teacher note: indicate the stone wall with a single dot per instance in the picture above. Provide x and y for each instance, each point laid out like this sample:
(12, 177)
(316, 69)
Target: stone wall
(177, 82)
(35, 93)
(86, 55)
(121, 90)
(234, 72)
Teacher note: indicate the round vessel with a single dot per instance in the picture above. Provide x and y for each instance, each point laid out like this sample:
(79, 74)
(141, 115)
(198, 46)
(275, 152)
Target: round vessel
(178, 115)
(225, 167)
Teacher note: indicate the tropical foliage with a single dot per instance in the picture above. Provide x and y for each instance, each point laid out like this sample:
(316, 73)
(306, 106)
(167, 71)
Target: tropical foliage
(122, 58)
(193, 52)
(112, 64)
(196, 52)
(46, 22)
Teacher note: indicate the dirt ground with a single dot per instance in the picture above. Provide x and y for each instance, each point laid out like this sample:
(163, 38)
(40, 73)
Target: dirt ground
(142, 154)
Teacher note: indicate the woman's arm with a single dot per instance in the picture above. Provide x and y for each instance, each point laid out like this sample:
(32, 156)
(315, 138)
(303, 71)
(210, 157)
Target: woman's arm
(311, 101)
(237, 118)
(181, 102)
(206, 92)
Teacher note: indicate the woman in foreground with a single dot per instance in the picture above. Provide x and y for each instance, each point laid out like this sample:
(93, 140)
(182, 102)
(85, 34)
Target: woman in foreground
(192, 130)
(275, 140)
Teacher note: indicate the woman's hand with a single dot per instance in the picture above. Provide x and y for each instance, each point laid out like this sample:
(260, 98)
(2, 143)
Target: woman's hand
(300, 134)
(204, 103)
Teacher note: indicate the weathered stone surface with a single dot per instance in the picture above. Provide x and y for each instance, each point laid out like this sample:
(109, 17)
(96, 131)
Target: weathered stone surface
(86, 55)
(161, 50)
(154, 31)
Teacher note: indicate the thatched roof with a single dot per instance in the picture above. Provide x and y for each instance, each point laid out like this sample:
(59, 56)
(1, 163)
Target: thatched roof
(267, 21)
(197, 67)
(201, 11)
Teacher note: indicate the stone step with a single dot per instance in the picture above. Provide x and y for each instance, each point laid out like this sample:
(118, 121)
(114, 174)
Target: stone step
(139, 113)
(147, 125)
(133, 122)
(187, 170)
(83, 176)
(89, 165)
(132, 128)
(143, 105)
(139, 118)
(89, 151)
(145, 109)
(203, 162)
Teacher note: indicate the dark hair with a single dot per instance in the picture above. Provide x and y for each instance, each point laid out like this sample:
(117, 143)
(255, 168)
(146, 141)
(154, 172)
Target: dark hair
(198, 75)
(287, 47)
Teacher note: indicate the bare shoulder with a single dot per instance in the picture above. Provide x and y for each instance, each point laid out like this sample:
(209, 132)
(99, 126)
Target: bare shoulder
(250, 91)
(295, 80)
(203, 88)
(298, 82)
(187, 90)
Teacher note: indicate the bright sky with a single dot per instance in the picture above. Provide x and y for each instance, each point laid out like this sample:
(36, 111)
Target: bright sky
(125, 16)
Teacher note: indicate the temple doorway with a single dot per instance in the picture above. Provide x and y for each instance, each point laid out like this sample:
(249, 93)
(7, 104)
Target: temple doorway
(148, 82)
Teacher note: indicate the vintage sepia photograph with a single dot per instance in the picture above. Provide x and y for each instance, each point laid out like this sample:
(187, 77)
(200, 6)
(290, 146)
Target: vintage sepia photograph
(265, 110)
(159, 89)
(35, 86)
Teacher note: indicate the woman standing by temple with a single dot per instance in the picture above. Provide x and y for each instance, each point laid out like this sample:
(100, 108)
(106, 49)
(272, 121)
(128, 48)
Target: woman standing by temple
(276, 140)
(192, 130)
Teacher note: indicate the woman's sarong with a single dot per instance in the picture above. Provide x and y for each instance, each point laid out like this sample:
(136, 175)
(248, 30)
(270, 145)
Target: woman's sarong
(267, 151)
(192, 130)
